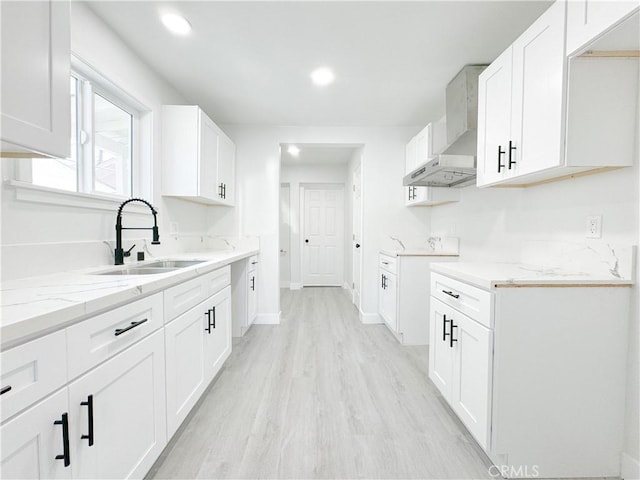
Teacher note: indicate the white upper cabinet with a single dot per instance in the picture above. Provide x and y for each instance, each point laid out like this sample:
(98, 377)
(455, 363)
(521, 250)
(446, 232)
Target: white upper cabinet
(418, 152)
(587, 19)
(198, 158)
(35, 78)
(542, 117)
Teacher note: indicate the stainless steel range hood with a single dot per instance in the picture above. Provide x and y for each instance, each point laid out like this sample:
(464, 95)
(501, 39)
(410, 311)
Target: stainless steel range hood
(444, 171)
(455, 166)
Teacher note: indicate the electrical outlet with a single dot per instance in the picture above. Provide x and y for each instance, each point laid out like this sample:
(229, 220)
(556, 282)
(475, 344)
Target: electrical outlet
(594, 226)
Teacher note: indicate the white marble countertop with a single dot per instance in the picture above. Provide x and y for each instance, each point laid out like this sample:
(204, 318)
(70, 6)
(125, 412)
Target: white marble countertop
(34, 306)
(417, 253)
(496, 275)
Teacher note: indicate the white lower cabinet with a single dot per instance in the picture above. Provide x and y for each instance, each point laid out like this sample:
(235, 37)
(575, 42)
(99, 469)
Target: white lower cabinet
(460, 360)
(118, 413)
(32, 441)
(184, 339)
(217, 337)
(244, 281)
(535, 373)
(388, 299)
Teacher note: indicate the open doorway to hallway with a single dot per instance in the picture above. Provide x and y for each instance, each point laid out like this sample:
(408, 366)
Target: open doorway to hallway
(317, 214)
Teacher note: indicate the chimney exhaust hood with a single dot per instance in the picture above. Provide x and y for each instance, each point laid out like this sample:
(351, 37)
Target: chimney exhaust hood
(456, 165)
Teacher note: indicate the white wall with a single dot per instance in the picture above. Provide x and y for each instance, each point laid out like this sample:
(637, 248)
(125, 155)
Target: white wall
(258, 173)
(27, 226)
(295, 175)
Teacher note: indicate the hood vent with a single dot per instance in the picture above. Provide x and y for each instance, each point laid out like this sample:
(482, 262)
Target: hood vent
(456, 165)
(444, 171)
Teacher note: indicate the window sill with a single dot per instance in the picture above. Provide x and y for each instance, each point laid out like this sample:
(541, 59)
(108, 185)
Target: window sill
(27, 192)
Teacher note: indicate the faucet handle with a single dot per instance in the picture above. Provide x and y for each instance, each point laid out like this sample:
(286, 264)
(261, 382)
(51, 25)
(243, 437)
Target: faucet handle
(128, 252)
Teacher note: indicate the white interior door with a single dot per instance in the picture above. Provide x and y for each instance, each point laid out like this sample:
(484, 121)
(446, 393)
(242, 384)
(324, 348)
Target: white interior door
(357, 233)
(323, 236)
(285, 235)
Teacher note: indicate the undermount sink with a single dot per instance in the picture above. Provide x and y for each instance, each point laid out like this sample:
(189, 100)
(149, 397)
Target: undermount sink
(137, 271)
(174, 263)
(154, 268)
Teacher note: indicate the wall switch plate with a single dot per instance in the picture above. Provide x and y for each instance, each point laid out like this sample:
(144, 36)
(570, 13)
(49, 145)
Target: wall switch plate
(594, 226)
(173, 227)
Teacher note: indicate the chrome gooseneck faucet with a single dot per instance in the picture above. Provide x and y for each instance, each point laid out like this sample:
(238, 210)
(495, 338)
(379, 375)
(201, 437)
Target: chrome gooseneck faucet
(119, 252)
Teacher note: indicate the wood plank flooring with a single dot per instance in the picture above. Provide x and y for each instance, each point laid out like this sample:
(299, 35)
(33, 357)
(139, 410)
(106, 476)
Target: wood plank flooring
(322, 396)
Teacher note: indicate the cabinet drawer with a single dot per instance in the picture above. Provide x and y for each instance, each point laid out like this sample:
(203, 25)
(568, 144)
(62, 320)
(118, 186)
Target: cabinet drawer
(472, 301)
(187, 295)
(253, 262)
(32, 371)
(99, 338)
(387, 263)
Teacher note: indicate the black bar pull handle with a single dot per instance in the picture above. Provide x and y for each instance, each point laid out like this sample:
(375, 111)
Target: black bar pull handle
(212, 317)
(89, 405)
(208, 314)
(253, 283)
(500, 153)
(451, 294)
(445, 320)
(64, 421)
(451, 339)
(511, 149)
(120, 331)
(4, 390)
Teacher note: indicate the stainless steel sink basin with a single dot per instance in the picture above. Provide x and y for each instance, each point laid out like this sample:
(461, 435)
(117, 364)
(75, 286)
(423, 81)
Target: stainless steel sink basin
(137, 271)
(174, 263)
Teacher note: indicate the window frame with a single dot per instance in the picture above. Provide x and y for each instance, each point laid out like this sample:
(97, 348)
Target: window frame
(141, 176)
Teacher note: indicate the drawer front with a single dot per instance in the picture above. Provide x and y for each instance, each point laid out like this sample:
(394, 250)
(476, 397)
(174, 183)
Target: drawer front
(388, 263)
(187, 295)
(101, 337)
(472, 301)
(31, 371)
(253, 262)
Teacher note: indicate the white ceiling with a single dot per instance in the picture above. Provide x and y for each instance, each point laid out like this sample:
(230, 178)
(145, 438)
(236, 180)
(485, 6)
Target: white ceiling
(315, 154)
(249, 62)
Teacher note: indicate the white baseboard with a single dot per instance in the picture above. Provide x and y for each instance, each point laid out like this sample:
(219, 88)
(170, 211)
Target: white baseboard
(267, 319)
(285, 284)
(347, 287)
(630, 468)
(370, 318)
(295, 286)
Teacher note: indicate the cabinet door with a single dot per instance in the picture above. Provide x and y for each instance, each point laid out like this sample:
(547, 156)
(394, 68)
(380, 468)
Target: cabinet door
(440, 350)
(184, 339)
(129, 413)
(537, 93)
(494, 119)
(252, 300)
(472, 366)
(217, 338)
(587, 19)
(390, 298)
(226, 169)
(423, 146)
(208, 158)
(35, 77)
(410, 156)
(31, 442)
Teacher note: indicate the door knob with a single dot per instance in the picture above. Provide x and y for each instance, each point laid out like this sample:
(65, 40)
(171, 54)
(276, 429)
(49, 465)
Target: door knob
(306, 240)
(357, 245)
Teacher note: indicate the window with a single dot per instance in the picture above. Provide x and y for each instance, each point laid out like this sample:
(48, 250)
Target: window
(102, 159)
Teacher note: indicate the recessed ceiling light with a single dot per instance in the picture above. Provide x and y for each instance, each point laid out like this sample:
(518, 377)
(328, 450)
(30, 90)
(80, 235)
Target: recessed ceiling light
(176, 23)
(322, 76)
(293, 150)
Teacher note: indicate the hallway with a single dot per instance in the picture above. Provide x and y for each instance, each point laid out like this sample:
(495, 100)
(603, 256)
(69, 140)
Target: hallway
(321, 396)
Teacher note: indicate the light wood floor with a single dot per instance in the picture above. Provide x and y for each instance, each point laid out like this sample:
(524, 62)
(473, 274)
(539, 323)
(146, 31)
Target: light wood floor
(322, 396)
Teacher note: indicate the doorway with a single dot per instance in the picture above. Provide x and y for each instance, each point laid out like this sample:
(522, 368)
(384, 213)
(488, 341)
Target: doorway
(314, 167)
(356, 205)
(323, 235)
